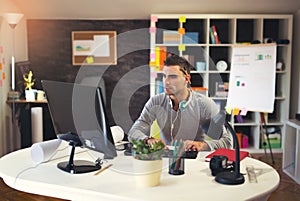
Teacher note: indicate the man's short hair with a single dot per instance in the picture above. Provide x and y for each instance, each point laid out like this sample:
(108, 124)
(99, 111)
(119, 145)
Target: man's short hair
(175, 60)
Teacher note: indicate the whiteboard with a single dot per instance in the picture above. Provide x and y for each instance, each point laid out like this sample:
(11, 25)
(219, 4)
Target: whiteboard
(252, 78)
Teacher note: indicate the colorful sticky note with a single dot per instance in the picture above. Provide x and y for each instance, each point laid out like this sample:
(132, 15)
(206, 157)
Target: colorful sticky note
(181, 31)
(3, 76)
(152, 29)
(243, 112)
(228, 110)
(1, 83)
(1, 49)
(182, 19)
(1, 67)
(153, 18)
(181, 47)
(153, 74)
(152, 56)
(90, 60)
(3, 61)
(152, 63)
(236, 111)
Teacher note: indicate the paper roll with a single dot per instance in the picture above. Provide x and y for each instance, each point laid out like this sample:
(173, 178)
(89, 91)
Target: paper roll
(44, 151)
(36, 124)
(117, 133)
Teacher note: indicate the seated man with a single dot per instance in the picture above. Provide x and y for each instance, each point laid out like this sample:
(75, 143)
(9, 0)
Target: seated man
(178, 112)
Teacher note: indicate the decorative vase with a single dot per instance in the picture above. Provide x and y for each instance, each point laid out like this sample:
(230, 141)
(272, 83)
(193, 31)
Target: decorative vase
(147, 172)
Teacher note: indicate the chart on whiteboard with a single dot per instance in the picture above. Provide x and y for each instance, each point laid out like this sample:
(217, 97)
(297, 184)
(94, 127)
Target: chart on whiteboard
(252, 78)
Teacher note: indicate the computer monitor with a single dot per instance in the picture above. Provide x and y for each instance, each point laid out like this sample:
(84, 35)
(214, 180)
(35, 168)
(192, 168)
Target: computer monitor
(79, 117)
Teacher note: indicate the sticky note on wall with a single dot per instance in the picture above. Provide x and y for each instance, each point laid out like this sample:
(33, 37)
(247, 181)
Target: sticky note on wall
(153, 18)
(152, 29)
(236, 111)
(182, 19)
(89, 60)
(181, 47)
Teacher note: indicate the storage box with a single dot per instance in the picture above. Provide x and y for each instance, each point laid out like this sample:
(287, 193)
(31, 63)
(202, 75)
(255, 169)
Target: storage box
(275, 141)
(171, 37)
(190, 38)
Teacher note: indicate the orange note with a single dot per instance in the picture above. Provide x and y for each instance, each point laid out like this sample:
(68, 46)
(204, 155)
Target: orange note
(181, 31)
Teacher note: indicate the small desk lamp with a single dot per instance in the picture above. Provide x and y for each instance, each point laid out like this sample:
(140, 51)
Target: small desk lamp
(214, 128)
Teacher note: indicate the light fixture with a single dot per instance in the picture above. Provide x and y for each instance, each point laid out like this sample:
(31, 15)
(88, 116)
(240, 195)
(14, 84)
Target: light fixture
(13, 19)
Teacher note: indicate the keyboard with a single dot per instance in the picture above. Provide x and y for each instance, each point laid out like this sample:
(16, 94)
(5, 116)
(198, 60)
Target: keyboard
(186, 154)
(169, 154)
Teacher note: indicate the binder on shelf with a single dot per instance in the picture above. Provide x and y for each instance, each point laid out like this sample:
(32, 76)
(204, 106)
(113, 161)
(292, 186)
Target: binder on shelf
(162, 57)
(159, 86)
(243, 140)
(215, 34)
(212, 37)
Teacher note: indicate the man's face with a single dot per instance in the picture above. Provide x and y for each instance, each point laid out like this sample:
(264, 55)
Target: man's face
(175, 81)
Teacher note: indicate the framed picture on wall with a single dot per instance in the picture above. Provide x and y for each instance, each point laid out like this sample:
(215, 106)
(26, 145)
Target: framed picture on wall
(94, 48)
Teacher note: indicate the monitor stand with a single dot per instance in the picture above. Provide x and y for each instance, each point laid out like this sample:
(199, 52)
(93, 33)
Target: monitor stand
(77, 166)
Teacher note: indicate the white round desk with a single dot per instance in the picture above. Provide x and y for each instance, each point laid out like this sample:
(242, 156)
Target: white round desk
(118, 182)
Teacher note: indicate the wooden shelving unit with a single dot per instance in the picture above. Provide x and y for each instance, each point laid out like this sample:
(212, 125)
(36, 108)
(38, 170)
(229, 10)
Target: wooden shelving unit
(232, 30)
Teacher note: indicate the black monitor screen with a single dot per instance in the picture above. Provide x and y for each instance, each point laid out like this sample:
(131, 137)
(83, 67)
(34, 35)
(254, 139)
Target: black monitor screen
(80, 110)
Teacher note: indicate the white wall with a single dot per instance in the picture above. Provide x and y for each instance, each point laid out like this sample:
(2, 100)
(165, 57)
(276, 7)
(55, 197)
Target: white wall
(9, 141)
(295, 82)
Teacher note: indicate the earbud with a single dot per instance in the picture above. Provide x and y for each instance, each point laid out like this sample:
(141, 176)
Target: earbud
(170, 102)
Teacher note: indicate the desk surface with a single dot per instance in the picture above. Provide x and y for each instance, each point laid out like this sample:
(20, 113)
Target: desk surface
(118, 182)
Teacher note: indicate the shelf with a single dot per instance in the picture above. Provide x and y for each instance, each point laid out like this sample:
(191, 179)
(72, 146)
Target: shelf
(232, 30)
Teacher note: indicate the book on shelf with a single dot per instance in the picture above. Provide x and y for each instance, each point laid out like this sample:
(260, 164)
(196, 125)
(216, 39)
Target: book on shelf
(243, 140)
(160, 57)
(215, 34)
(201, 90)
(159, 87)
(212, 37)
(222, 89)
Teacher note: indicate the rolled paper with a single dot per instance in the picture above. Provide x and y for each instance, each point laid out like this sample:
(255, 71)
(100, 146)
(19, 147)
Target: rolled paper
(117, 133)
(44, 151)
(36, 124)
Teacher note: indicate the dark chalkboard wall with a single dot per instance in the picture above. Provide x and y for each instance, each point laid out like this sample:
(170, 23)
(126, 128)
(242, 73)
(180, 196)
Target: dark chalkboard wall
(50, 54)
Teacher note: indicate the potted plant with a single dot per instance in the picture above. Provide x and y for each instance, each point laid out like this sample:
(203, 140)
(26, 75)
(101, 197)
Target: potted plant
(147, 162)
(29, 82)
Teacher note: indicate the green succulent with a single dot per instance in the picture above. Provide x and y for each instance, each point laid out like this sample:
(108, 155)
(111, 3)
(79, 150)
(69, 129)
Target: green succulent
(142, 151)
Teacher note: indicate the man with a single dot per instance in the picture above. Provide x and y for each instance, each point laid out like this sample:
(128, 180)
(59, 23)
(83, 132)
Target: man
(178, 112)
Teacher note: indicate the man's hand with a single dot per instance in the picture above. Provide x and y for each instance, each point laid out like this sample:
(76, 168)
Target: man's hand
(151, 140)
(195, 145)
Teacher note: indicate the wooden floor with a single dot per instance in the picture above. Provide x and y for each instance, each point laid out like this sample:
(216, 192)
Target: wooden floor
(288, 190)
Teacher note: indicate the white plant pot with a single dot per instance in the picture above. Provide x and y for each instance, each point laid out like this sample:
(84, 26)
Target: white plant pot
(30, 95)
(147, 172)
